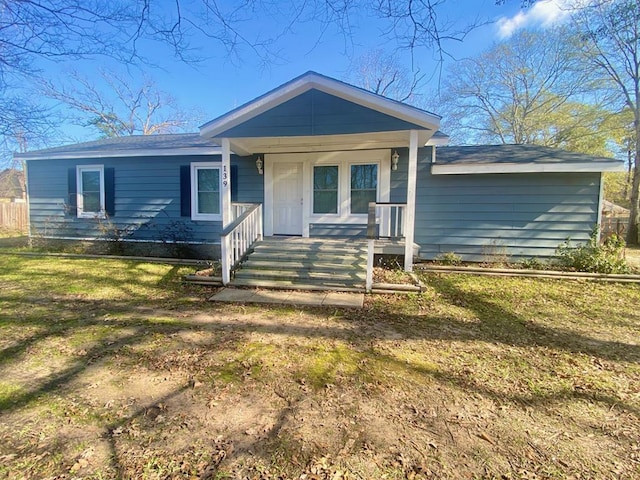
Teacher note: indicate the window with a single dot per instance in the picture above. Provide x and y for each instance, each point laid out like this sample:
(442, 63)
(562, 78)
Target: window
(364, 187)
(90, 180)
(325, 189)
(205, 191)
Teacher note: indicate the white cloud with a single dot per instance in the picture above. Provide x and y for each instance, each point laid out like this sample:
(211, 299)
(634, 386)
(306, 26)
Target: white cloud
(543, 13)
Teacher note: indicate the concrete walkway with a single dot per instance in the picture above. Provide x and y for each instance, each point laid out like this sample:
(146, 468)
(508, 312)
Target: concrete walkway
(289, 297)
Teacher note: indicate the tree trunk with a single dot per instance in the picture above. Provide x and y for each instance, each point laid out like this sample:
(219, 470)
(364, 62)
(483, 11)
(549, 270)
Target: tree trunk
(630, 165)
(634, 214)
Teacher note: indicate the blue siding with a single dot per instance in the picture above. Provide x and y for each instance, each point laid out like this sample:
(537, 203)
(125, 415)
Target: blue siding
(250, 186)
(317, 113)
(518, 215)
(147, 198)
(521, 215)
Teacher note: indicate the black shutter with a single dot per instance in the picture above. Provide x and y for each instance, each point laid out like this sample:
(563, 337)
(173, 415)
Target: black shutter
(185, 190)
(234, 183)
(110, 191)
(72, 197)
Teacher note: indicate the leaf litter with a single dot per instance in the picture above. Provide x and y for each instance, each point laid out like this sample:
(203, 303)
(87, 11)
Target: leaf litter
(458, 382)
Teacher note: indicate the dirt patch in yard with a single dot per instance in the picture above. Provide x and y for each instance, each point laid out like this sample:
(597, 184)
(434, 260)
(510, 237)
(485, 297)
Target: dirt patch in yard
(475, 378)
(632, 255)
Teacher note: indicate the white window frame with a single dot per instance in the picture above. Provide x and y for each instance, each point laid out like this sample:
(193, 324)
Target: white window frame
(339, 166)
(348, 186)
(195, 166)
(344, 160)
(80, 194)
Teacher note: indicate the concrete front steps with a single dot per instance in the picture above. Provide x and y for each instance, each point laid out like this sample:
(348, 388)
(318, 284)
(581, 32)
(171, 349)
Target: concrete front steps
(295, 263)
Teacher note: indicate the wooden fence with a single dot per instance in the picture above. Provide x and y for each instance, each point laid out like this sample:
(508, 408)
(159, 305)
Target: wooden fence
(614, 224)
(13, 217)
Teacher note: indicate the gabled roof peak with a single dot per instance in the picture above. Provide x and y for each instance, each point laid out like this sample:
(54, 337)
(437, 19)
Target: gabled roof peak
(313, 80)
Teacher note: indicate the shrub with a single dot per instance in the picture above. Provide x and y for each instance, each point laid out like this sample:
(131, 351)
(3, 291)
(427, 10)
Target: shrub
(115, 234)
(532, 264)
(495, 252)
(176, 236)
(607, 257)
(449, 258)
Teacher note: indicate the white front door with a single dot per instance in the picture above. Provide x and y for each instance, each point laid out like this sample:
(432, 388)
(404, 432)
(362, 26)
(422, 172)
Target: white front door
(287, 198)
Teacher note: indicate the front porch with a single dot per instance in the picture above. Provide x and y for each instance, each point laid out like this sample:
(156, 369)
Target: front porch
(324, 152)
(299, 263)
(342, 263)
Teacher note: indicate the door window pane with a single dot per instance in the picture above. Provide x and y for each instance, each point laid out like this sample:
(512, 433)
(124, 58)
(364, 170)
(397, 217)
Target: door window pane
(325, 189)
(364, 187)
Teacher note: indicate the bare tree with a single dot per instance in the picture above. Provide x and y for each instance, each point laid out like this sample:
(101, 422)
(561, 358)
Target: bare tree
(123, 108)
(382, 73)
(611, 43)
(24, 124)
(33, 30)
(527, 89)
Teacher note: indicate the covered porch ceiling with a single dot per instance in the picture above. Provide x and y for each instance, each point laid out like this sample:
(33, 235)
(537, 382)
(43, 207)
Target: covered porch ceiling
(325, 143)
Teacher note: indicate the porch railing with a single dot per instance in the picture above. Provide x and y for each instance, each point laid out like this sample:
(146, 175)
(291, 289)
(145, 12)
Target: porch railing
(239, 237)
(390, 219)
(384, 220)
(238, 209)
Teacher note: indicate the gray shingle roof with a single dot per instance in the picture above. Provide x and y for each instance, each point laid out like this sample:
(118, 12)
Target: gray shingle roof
(520, 154)
(135, 145)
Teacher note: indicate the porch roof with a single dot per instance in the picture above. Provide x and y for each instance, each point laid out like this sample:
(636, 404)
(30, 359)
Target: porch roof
(293, 116)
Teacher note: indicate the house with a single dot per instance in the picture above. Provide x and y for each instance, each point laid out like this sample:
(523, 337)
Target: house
(306, 160)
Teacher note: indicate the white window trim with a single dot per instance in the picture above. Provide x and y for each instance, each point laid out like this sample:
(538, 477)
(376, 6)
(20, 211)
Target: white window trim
(344, 160)
(340, 194)
(378, 187)
(195, 166)
(80, 197)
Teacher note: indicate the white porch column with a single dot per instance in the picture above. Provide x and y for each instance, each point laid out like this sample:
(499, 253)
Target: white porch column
(226, 183)
(411, 201)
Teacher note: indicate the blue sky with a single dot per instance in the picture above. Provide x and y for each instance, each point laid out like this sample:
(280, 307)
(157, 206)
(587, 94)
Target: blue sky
(219, 84)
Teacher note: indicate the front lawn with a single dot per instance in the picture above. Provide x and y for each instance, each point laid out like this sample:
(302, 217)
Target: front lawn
(115, 369)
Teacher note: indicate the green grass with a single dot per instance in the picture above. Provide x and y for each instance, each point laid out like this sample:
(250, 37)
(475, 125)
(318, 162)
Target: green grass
(477, 377)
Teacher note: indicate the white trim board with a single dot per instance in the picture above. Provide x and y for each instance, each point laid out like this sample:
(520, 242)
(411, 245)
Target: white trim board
(325, 143)
(462, 169)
